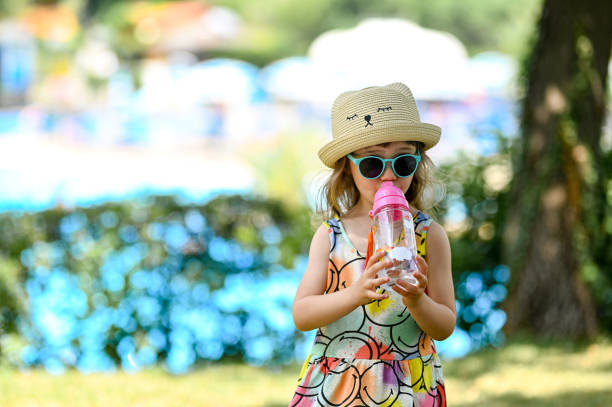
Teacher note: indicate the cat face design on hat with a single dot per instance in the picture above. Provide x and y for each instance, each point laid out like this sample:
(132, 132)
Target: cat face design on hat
(374, 115)
(364, 110)
(368, 117)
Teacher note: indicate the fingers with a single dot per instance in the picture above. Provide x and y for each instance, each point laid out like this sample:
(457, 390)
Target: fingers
(404, 286)
(378, 296)
(421, 279)
(377, 282)
(409, 288)
(374, 268)
(399, 289)
(422, 265)
(376, 257)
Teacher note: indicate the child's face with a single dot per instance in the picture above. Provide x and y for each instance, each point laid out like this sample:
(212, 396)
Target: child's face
(368, 187)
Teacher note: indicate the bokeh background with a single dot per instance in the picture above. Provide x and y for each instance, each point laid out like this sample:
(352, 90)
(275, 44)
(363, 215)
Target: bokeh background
(159, 177)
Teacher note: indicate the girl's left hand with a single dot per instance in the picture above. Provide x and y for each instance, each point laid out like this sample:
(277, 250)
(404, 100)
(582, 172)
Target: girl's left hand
(413, 294)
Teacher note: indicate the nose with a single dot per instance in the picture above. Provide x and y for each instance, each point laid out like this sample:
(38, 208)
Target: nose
(388, 173)
(367, 118)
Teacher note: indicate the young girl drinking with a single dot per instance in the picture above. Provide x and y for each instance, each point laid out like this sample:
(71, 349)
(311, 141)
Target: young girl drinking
(374, 347)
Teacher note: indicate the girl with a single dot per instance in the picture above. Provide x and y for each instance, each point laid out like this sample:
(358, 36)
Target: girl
(374, 347)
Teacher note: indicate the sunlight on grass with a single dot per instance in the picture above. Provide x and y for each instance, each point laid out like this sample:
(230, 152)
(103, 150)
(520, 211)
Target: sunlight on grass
(223, 385)
(521, 373)
(533, 375)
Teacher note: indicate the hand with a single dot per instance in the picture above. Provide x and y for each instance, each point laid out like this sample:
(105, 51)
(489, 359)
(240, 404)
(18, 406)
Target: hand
(413, 294)
(365, 287)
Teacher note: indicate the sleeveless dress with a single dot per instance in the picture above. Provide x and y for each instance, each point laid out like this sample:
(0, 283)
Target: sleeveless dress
(376, 355)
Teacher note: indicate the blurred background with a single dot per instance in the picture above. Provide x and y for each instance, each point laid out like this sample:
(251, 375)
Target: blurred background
(158, 180)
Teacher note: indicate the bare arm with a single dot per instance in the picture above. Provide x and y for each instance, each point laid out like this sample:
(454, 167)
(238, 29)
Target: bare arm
(313, 309)
(433, 311)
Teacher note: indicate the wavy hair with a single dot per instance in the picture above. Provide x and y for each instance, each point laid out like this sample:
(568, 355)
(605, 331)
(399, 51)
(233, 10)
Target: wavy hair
(339, 194)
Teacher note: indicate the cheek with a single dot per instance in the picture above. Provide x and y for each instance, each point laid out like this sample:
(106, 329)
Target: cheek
(363, 185)
(405, 183)
(355, 173)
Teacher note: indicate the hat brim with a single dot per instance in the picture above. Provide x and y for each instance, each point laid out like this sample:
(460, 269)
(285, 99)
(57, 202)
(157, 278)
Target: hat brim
(428, 134)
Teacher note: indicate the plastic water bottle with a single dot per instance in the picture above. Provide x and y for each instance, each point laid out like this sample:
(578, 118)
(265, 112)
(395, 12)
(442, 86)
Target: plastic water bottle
(393, 232)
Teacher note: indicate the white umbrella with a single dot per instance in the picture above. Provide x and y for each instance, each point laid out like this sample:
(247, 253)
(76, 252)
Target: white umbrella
(381, 51)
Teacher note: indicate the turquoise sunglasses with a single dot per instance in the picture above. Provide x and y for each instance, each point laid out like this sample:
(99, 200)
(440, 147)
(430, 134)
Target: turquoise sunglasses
(372, 166)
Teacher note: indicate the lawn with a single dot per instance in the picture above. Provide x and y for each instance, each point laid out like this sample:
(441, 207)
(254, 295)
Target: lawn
(520, 373)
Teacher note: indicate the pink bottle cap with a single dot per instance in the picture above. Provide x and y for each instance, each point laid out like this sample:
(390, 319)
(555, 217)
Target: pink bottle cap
(388, 195)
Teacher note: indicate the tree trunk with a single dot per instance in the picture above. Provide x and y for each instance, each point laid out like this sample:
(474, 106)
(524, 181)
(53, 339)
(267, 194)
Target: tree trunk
(561, 125)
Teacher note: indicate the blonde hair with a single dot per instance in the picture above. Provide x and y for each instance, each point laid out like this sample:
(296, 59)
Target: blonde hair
(339, 194)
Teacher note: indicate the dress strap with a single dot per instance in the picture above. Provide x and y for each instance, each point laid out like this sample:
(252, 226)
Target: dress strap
(422, 222)
(334, 230)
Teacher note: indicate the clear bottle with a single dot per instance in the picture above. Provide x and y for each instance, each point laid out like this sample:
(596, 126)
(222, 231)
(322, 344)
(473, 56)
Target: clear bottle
(393, 232)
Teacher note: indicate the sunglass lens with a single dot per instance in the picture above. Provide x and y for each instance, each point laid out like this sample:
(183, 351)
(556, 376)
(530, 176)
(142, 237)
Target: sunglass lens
(405, 165)
(371, 167)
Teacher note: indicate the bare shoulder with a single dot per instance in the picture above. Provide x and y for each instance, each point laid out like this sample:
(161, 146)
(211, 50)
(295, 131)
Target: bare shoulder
(314, 279)
(320, 240)
(319, 249)
(437, 240)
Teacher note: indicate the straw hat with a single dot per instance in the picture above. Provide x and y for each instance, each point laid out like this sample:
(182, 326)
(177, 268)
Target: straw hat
(374, 115)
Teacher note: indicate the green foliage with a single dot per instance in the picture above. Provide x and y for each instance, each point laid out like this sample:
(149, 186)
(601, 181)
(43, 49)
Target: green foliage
(11, 7)
(498, 25)
(115, 256)
(282, 164)
(279, 28)
(11, 294)
(274, 29)
(242, 220)
(478, 186)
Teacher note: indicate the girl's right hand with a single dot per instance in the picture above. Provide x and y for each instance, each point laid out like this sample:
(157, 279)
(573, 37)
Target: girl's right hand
(365, 287)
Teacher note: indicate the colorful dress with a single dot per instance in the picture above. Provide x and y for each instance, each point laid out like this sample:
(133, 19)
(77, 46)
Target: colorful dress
(376, 355)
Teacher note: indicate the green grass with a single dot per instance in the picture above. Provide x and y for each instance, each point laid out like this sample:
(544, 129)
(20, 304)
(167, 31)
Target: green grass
(521, 373)
(529, 375)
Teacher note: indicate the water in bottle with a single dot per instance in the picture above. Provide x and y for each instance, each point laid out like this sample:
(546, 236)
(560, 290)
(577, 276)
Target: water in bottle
(393, 232)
